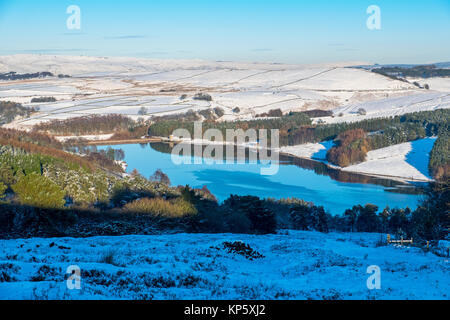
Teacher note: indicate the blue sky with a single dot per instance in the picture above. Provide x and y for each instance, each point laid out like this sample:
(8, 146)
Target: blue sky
(276, 31)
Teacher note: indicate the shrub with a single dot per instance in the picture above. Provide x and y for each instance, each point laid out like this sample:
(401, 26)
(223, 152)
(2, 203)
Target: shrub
(307, 217)
(143, 111)
(317, 113)
(134, 132)
(203, 96)
(160, 177)
(300, 218)
(43, 100)
(6, 174)
(81, 187)
(208, 114)
(108, 257)
(431, 220)
(2, 189)
(274, 113)
(362, 111)
(237, 222)
(243, 249)
(219, 112)
(136, 187)
(260, 216)
(367, 219)
(10, 110)
(159, 207)
(363, 219)
(399, 220)
(39, 191)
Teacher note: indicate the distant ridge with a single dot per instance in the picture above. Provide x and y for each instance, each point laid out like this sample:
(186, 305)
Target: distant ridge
(441, 65)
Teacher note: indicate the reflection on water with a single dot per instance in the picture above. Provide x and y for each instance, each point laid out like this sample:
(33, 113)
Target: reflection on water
(318, 167)
(300, 178)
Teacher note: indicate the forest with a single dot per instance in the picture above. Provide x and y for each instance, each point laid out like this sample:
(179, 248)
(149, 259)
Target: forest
(413, 72)
(95, 124)
(10, 76)
(285, 123)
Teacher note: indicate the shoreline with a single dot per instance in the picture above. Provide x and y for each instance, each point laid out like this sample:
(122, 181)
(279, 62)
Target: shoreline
(373, 175)
(402, 179)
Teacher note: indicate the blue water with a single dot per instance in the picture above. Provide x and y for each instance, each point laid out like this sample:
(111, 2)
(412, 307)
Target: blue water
(246, 179)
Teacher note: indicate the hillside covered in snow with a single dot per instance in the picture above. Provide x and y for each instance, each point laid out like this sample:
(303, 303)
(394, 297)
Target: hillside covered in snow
(126, 85)
(289, 265)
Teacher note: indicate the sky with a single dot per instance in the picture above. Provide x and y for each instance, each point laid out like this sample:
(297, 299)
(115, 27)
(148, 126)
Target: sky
(267, 31)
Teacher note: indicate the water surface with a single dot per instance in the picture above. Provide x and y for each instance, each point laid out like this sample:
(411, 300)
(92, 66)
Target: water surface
(303, 179)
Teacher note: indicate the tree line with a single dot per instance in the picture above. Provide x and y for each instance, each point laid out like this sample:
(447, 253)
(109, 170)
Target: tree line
(95, 124)
(413, 72)
(11, 110)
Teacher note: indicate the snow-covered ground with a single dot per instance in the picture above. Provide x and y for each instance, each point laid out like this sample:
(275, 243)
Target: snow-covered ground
(315, 151)
(389, 107)
(438, 84)
(86, 137)
(407, 160)
(295, 265)
(124, 85)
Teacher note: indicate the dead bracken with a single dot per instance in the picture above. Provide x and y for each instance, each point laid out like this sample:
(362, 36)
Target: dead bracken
(243, 249)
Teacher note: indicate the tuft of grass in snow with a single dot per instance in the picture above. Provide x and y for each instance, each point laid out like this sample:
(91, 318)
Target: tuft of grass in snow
(108, 257)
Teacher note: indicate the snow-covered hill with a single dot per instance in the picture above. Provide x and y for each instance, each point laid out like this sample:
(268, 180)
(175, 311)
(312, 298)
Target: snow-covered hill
(124, 85)
(289, 265)
(389, 107)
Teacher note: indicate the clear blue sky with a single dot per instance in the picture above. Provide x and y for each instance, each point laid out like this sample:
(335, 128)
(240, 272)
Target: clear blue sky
(278, 31)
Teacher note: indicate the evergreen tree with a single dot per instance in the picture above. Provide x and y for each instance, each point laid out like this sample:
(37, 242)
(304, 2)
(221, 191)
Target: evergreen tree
(39, 191)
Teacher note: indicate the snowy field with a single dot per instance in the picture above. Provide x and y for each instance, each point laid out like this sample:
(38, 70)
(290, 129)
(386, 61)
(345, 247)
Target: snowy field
(391, 107)
(125, 85)
(407, 161)
(315, 151)
(289, 265)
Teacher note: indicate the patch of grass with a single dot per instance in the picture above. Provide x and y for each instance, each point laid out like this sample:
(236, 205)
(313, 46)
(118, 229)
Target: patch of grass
(47, 273)
(159, 207)
(108, 257)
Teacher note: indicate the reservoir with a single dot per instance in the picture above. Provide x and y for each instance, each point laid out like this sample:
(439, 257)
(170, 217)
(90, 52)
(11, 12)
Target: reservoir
(300, 178)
